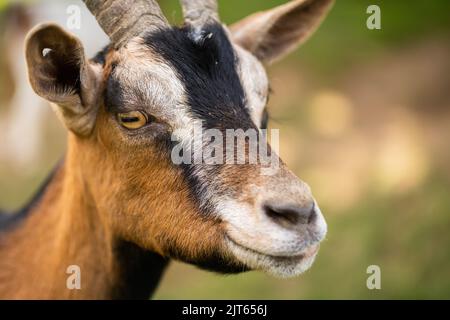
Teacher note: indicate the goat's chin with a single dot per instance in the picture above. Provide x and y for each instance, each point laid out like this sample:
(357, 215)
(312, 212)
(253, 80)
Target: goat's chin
(219, 262)
(277, 266)
(242, 259)
(234, 258)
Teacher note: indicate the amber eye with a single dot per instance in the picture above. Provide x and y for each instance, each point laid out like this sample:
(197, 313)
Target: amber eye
(133, 119)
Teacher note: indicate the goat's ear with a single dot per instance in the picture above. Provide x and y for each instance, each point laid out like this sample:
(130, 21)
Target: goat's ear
(60, 73)
(272, 34)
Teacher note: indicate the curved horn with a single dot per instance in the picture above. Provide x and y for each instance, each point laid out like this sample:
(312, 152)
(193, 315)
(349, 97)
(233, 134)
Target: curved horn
(199, 12)
(124, 19)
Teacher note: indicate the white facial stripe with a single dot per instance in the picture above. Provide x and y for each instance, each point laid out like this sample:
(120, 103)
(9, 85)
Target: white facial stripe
(171, 105)
(255, 83)
(166, 95)
(164, 92)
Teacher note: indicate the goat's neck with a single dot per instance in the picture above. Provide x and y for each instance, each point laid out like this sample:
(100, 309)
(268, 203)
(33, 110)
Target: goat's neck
(63, 228)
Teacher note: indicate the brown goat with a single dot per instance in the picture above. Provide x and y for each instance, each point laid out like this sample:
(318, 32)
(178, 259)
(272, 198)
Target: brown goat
(117, 206)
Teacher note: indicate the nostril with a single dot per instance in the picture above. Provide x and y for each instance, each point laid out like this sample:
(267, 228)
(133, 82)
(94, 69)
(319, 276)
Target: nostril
(288, 215)
(282, 215)
(313, 214)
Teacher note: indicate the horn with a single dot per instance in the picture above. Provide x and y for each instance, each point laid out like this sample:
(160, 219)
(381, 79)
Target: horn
(200, 12)
(123, 19)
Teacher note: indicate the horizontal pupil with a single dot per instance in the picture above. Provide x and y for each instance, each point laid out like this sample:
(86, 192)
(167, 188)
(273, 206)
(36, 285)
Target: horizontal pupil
(130, 119)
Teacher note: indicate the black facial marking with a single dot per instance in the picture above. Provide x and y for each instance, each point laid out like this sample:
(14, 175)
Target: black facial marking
(206, 63)
(100, 57)
(113, 90)
(114, 100)
(265, 119)
(198, 187)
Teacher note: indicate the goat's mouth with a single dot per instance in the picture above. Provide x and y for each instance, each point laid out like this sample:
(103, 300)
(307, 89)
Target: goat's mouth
(276, 265)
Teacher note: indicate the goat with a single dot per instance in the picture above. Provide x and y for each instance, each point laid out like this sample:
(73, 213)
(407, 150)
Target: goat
(116, 206)
(26, 116)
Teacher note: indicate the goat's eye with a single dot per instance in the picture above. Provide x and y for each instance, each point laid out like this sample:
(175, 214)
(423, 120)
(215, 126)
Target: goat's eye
(133, 119)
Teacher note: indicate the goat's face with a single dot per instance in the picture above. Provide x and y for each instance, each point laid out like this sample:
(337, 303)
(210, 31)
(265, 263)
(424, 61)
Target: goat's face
(128, 109)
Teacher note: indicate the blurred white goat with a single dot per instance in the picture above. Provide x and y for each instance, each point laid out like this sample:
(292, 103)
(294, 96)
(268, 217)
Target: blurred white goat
(23, 123)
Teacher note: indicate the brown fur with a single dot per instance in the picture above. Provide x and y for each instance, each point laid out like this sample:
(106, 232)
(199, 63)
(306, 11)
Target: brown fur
(94, 200)
(117, 197)
(103, 193)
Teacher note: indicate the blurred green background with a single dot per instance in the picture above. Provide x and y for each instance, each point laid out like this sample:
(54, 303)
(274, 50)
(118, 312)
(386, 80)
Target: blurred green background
(364, 118)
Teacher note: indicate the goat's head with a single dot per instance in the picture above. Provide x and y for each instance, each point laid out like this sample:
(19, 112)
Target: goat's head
(123, 107)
